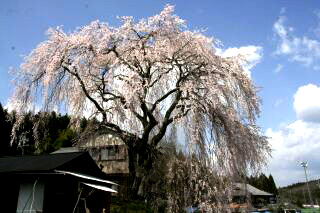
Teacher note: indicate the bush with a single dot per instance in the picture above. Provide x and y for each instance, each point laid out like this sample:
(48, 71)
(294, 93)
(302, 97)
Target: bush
(135, 206)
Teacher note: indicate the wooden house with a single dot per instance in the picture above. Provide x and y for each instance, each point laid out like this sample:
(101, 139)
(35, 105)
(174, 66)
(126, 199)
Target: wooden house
(111, 155)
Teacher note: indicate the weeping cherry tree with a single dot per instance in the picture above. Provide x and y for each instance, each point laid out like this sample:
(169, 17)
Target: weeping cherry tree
(142, 78)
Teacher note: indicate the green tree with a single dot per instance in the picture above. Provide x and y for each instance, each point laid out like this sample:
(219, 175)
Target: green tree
(272, 186)
(52, 131)
(40, 133)
(5, 127)
(64, 139)
(264, 183)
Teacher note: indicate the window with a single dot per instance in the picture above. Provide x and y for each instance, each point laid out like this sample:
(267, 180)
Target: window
(108, 153)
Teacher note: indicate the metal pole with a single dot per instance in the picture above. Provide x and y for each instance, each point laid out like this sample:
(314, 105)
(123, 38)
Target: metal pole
(304, 194)
(304, 165)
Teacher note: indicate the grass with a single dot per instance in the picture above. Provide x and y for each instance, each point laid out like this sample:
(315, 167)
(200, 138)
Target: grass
(310, 210)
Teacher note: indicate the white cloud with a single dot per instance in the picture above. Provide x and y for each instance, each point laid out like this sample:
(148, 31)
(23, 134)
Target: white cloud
(278, 68)
(251, 54)
(299, 49)
(292, 144)
(297, 141)
(10, 106)
(307, 103)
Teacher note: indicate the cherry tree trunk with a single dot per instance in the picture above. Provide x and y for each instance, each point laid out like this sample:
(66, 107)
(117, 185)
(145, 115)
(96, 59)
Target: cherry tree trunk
(140, 164)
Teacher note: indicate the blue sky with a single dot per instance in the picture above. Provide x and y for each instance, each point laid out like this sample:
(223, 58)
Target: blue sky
(280, 38)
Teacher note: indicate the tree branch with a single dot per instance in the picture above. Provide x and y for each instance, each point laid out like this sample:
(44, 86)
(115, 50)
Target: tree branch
(162, 98)
(166, 120)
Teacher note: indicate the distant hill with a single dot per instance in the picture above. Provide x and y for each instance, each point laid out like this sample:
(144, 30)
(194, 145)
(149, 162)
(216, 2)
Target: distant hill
(297, 193)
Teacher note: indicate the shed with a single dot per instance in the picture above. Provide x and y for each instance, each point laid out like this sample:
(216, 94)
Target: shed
(62, 182)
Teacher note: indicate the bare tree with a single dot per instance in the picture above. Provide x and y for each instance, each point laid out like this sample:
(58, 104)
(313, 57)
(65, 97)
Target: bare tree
(140, 79)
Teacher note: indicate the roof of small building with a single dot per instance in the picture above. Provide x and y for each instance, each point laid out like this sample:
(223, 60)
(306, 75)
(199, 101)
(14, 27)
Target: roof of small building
(72, 161)
(67, 150)
(241, 188)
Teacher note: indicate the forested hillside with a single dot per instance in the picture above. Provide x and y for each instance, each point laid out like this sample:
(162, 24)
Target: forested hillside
(34, 133)
(297, 193)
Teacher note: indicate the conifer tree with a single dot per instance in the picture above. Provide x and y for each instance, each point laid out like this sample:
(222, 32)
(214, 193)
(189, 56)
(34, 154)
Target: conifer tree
(273, 187)
(5, 132)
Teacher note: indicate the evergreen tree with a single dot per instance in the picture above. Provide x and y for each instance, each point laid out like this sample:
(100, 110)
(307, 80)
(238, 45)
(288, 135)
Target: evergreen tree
(35, 133)
(273, 187)
(52, 132)
(264, 183)
(5, 127)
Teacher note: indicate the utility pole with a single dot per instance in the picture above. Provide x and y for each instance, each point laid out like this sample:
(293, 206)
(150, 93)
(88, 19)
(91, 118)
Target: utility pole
(319, 188)
(304, 194)
(305, 165)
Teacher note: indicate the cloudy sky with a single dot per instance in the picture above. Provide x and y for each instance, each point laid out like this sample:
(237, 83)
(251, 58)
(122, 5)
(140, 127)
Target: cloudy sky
(281, 40)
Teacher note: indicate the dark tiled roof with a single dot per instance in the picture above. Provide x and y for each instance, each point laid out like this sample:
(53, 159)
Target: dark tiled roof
(39, 163)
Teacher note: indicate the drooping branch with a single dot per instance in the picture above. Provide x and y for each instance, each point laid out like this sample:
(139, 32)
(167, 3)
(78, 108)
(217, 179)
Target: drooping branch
(85, 91)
